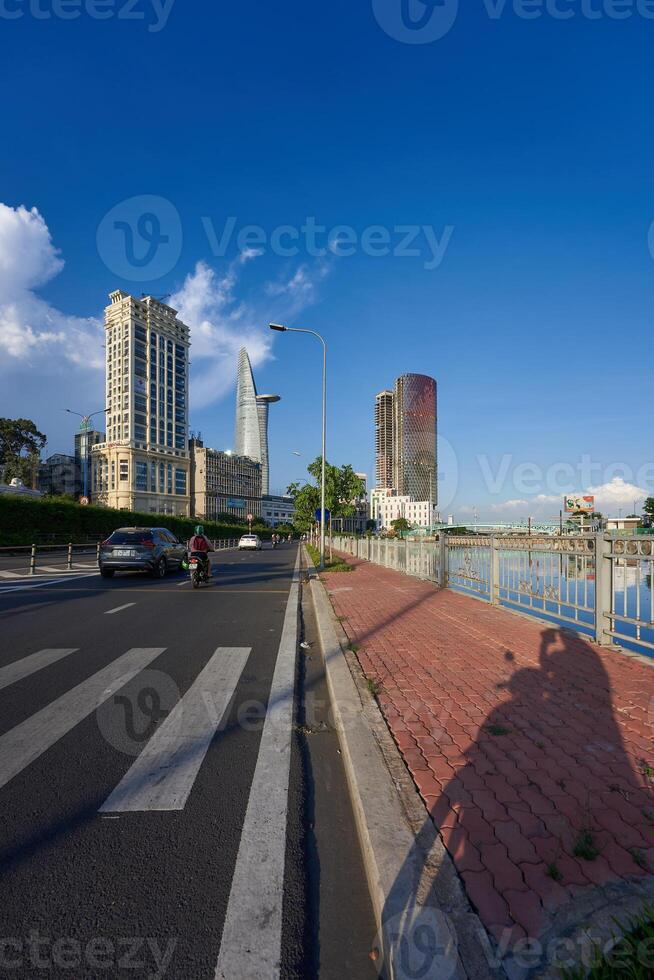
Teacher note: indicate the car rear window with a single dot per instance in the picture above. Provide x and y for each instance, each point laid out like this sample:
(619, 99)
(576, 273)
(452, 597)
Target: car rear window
(130, 537)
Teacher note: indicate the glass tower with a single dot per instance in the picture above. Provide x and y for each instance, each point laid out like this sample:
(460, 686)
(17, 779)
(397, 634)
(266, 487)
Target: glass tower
(415, 464)
(251, 435)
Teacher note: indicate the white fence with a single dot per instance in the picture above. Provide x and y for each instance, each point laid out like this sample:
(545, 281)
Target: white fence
(597, 583)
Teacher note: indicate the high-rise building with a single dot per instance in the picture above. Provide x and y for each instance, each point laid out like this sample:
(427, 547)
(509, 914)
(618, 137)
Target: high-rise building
(251, 434)
(85, 439)
(384, 439)
(415, 465)
(223, 483)
(144, 463)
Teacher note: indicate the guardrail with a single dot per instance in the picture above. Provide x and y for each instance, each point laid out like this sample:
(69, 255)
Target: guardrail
(600, 584)
(62, 557)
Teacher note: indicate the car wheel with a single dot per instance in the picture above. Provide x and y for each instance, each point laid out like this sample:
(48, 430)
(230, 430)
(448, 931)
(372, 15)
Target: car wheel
(160, 568)
(107, 572)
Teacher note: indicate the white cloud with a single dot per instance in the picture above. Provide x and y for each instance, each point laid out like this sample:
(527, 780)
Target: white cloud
(31, 330)
(615, 494)
(220, 324)
(610, 497)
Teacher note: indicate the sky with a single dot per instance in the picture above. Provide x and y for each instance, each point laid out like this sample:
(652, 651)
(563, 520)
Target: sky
(463, 191)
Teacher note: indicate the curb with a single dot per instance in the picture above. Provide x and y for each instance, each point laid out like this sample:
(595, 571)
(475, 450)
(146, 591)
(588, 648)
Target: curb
(412, 881)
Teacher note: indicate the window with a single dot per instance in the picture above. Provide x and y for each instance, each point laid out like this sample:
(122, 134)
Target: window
(141, 476)
(170, 478)
(124, 470)
(180, 482)
(153, 477)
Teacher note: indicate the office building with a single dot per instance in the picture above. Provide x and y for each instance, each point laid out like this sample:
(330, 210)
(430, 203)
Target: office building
(223, 483)
(58, 474)
(144, 463)
(419, 513)
(384, 439)
(415, 466)
(84, 440)
(277, 510)
(251, 434)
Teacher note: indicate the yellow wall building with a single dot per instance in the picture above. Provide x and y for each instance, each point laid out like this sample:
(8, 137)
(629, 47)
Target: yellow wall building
(144, 463)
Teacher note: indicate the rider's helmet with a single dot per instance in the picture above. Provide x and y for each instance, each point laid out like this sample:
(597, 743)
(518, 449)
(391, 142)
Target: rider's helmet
(199, 530)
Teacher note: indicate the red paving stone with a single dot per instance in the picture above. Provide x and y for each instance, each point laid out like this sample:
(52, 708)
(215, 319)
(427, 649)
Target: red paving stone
(455, 672)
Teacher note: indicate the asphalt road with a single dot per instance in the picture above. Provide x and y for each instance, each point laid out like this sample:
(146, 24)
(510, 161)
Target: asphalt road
(161, 806)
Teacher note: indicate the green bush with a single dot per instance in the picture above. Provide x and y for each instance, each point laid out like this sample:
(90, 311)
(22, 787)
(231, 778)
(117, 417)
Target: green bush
(53, 520)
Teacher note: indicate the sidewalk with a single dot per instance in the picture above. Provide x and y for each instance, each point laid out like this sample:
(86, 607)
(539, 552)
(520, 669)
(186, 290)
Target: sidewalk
(527, 744)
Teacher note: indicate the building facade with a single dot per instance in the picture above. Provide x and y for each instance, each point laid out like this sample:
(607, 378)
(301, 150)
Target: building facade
(85, 439)
(144, 463)
(251, 432)
(384, 439)
(223, 483)
(419, 513)
(415, 464)
(277, 510)
(58, 474)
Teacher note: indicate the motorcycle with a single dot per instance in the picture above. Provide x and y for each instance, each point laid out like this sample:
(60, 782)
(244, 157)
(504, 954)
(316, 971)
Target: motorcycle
(197, 569)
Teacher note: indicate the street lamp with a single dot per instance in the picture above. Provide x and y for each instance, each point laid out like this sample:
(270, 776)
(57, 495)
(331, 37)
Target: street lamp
(283, 329)
(86, 421)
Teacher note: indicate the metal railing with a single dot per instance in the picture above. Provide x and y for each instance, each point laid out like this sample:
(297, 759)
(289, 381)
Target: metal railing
(65, 557)
(600, 584)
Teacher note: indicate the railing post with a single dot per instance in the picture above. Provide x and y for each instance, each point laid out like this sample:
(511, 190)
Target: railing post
(70, 555)
(494, 584)
(443, 561)
(33, 560)
(603, 590)
(97, 552)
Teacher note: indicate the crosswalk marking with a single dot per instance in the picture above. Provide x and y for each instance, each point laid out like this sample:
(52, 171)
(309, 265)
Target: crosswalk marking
(29, 665)
(252, 935)
(27, 741)
(110, 612)
(163, 775)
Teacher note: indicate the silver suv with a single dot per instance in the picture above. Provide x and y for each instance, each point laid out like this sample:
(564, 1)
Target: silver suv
(147, 549)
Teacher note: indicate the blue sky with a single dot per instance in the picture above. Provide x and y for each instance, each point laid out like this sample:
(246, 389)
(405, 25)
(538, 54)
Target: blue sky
(524, 146)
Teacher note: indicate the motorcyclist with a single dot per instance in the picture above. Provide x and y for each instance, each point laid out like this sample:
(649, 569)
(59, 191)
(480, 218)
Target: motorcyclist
(200, 545)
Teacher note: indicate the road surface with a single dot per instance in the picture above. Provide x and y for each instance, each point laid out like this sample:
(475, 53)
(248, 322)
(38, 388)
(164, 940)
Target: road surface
(172, 800)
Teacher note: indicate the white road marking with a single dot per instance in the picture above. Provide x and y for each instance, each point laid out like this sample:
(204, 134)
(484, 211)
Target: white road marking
(110, 612)
(26, 742)
(29, 665)
(163, 775)
(252, 935)
(48, 581)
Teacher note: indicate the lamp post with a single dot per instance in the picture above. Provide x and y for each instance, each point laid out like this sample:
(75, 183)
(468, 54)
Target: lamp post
(283, 329)
(84, 427)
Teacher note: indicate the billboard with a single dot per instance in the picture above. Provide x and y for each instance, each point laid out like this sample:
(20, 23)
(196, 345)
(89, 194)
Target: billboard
(573, 504)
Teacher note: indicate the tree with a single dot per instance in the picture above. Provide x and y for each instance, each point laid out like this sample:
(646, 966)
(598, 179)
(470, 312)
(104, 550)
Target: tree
(400, 525)
(342, 488)
(20, 448)
(648, 506)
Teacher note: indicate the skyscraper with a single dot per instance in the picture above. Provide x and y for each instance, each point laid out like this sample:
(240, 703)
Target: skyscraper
(144, 463)
(415, 465)
(251, 435)
(384, 439)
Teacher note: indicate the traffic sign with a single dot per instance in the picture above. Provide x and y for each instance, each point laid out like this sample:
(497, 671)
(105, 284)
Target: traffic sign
(250, 517)
(327, 515)
(84, 500)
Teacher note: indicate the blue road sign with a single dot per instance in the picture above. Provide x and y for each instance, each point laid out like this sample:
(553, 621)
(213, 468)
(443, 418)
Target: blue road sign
(327, 515)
